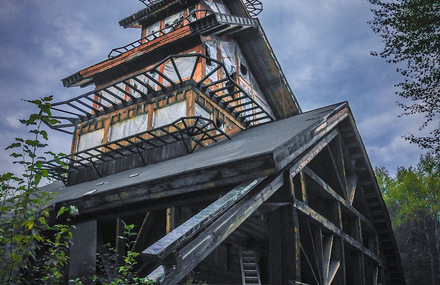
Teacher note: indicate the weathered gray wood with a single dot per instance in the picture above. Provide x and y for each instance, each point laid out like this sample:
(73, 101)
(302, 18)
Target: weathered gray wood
(120, 242)
(312, 153)
(336, 196)
(142, 232)
(83, 251)
(198, 249)
(333, 228)
(204, 179)
(171, 241)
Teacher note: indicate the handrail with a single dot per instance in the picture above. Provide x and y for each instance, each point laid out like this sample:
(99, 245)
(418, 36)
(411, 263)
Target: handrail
(196, 128)
(97, 102)
(155, 35)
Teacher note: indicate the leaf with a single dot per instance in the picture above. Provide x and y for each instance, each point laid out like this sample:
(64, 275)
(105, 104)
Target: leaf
(30, 224)
(74, 210)
(61, 211)
(44, 134)
(13, 145)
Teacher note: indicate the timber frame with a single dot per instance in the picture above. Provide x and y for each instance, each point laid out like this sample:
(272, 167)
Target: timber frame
(312, 192)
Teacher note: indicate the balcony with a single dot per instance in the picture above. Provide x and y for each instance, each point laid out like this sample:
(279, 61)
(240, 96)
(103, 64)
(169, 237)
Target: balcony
(178, 71)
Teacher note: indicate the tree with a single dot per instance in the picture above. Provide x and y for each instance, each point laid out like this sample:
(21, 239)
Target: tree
(33, 243)
(413, 198)
(411, 32)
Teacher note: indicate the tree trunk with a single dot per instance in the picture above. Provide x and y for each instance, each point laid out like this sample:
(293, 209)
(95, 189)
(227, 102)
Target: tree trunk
(431, 256)
(437, 244)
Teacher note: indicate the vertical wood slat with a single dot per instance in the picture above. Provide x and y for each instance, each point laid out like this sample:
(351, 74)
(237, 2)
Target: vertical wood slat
(120, 242)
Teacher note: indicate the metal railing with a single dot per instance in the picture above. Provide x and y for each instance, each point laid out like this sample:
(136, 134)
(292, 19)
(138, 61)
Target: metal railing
(146, 86)
(198, 129)
(193, 16)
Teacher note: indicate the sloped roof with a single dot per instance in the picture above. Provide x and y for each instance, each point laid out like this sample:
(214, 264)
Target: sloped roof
(266, 142)
(252, 153)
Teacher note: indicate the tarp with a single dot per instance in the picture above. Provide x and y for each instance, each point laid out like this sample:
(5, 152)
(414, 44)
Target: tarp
(128, 127)
(185, 66)
(211, 48)
(89, 140)
(169, 114)
(152, 31)
(228, 56)
(170, 20)
(111, 93)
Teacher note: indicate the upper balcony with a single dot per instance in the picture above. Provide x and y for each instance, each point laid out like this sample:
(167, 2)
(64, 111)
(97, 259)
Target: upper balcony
(173, 73)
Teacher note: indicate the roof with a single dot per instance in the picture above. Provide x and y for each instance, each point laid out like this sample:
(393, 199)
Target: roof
(266, 142)
(252, 153)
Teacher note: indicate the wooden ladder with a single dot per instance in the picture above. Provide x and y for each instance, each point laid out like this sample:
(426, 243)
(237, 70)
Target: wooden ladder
(249, 267)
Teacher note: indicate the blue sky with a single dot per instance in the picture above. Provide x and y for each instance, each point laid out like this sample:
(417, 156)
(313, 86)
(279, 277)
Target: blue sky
(323, 47)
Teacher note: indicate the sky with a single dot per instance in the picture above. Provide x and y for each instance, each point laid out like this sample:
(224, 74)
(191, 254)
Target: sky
(323, 47)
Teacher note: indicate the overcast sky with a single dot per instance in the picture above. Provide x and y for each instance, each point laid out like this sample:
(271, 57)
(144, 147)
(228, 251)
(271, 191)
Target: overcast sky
(323, 47)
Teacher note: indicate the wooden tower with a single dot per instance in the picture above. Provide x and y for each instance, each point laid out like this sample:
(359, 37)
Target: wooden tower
(194, 135)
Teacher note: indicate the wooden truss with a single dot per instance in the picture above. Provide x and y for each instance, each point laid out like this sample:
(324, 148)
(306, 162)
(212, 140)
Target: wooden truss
(317, 217)
(326, 231)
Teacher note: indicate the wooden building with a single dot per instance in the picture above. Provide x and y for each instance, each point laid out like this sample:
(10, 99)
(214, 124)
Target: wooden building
(194, 135)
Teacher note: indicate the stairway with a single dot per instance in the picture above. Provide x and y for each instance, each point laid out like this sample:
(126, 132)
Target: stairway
(249, 267)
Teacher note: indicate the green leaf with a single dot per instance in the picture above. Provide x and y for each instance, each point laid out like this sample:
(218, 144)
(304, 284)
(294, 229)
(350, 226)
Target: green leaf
(13, 145)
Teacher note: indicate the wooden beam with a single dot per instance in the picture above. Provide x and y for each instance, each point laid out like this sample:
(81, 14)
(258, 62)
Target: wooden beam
(192, 254)
(324, 186)
(120, 242)
(333, 228)
(312, 153)
(169, 243)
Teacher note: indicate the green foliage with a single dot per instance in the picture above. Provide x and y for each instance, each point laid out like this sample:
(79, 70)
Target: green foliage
(413, 199)
(414, 192)
(411, 32)
(33, 244)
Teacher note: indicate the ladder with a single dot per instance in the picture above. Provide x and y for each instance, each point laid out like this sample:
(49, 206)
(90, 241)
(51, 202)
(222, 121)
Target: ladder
(249, 267)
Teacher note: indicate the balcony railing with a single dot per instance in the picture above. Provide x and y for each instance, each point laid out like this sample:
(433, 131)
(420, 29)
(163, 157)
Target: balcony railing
(194, 132)
(146, 86)
(192, 17)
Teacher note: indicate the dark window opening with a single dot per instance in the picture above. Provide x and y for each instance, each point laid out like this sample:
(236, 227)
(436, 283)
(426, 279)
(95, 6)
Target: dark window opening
(243, 69)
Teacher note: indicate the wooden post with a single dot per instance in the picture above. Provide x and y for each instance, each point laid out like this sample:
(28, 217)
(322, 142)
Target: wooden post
(83, 251)
(170, 220)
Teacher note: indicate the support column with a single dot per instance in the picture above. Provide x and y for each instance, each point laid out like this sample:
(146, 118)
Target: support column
(83, 251)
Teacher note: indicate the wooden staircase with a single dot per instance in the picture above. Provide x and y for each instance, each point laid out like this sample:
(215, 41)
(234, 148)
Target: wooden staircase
(249, 267)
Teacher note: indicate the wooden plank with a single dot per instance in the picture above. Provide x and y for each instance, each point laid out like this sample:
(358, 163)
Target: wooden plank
(312, 153)
(303, 187)
(169, 220)
(198, 249)
(142, 232)
(203, 179)
(120, 242)
(275, 248)
(333, 228)
(184, 232)
(324, 186)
